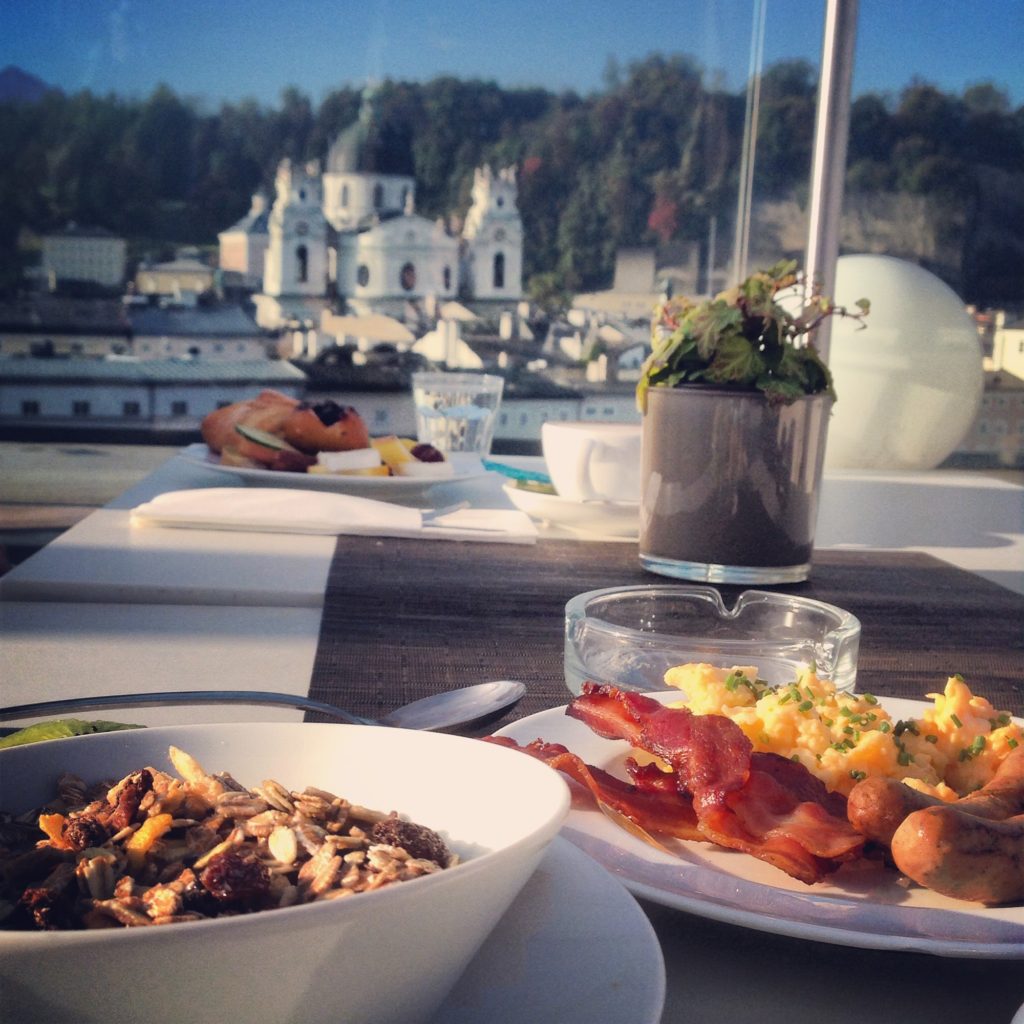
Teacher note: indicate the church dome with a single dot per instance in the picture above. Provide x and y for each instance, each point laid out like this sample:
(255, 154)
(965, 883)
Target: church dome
(368, 147)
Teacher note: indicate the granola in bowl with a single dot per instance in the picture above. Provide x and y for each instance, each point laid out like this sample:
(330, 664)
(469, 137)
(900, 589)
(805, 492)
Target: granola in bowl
(157, 849)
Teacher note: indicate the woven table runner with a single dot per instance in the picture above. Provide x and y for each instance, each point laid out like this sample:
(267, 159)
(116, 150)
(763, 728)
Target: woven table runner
(404, 618)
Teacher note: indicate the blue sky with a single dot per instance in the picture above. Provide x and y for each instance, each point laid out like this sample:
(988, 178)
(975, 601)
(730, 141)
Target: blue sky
(218, 50)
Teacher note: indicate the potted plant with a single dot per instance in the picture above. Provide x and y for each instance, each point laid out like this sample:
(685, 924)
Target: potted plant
(735, 403)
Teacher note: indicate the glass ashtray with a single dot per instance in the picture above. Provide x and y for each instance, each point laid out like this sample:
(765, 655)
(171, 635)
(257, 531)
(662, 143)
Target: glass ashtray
(630, 636)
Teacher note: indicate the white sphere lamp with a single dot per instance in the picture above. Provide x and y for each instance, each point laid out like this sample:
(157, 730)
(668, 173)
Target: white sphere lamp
(910, 382)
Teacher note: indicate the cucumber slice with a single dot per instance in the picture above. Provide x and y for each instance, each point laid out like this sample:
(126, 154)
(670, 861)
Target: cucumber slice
(59, 729)
(262, 437)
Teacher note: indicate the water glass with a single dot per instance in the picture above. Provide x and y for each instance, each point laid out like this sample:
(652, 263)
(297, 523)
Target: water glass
(456, 412)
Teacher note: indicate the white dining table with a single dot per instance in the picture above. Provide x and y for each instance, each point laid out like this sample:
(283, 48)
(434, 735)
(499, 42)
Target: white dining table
(109, 607)
(970, 520)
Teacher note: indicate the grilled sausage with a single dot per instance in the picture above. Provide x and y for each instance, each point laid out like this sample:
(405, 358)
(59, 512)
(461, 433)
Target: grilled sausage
(962, 856)
(877, 807)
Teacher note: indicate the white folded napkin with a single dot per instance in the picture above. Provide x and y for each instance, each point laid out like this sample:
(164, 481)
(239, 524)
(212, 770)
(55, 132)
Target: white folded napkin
(279, 510)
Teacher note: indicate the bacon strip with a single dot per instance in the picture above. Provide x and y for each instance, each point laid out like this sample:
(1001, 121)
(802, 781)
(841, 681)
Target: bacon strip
(654, 808)
(761, 804)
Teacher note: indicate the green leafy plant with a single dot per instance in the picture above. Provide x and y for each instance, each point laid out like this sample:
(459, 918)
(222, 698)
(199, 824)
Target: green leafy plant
(744, 338)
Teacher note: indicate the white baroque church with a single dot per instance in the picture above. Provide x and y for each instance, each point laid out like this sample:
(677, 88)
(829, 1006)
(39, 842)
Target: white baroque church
(348, 236)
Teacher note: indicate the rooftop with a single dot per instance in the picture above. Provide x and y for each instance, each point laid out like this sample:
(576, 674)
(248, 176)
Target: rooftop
(148, 371)
(227, 321)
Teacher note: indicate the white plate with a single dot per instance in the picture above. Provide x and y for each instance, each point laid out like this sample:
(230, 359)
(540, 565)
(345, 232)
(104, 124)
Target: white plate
(868, 908)
(572, 917)
(614, 519)
(465, 465)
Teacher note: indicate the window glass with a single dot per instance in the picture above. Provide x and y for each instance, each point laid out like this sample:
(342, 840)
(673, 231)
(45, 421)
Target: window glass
(664, 151)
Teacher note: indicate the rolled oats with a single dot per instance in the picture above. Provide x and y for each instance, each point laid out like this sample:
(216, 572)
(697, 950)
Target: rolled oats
(228, 850)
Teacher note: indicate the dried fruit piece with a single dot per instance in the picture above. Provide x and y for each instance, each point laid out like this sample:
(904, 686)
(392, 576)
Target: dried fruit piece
(419, 841)
(235, 876)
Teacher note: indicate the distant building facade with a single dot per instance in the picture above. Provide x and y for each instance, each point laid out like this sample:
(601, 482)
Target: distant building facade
(243, 246)
(348, 235)
(50, 325)
(180, 281)
(80, 253)
(168, 395)
(218, 334)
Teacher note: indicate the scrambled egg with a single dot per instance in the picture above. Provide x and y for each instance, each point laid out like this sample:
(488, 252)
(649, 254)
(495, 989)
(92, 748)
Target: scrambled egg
(954, 748)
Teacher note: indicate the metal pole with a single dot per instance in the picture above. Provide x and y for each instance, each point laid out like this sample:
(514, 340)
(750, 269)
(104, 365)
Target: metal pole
(744, 203)
(831, 133)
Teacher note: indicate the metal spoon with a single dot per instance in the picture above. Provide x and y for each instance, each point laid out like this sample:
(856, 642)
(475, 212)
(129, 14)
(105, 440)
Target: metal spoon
(465, 706)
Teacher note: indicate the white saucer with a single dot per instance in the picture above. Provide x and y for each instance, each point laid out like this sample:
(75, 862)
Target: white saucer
(618, 520)
(574, 948)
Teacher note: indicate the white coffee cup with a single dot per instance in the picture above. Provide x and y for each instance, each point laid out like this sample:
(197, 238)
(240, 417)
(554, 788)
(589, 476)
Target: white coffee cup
(593, 461)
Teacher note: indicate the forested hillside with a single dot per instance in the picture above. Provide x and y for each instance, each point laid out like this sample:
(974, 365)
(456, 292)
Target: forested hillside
(650, 158)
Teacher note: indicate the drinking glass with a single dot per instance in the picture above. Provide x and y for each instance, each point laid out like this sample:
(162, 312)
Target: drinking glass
(456, 412)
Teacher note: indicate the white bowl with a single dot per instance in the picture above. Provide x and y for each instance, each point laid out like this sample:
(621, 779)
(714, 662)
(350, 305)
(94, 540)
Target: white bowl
(385, 956)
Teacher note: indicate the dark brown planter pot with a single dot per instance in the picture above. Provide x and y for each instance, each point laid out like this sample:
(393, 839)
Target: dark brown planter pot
(729, 484)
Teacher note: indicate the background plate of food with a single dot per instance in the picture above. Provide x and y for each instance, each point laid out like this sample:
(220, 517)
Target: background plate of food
(274, 440)
(463, 467)
(865, 903)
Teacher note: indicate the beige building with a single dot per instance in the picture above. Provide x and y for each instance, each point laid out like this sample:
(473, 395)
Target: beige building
(1008, 345)
(84, 254)
(180, 281)
(243, 246)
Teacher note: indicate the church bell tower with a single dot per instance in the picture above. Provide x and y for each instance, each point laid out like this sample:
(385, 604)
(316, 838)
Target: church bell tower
(493, 237)
(296, 261)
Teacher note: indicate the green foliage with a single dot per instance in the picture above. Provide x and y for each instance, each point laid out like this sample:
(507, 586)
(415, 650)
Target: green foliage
(744, 338)
(650, 158)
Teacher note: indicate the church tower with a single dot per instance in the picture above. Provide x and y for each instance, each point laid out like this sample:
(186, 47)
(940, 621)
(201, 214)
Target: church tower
(492, 264)
(296, 262)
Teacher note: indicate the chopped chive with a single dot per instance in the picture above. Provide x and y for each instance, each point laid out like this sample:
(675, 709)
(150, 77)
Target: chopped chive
(884, 727)
(857, 774)
(931, 739)
(785, 698)
(1012, 743)
(806, 705)
(978, 745)
(956, 721)
(903, 758)
(869, 698)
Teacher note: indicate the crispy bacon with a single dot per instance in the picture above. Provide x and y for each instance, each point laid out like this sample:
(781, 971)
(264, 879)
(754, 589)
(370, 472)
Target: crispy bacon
(762, 804)
(654, 807)
(709, 753)
(719, 789)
